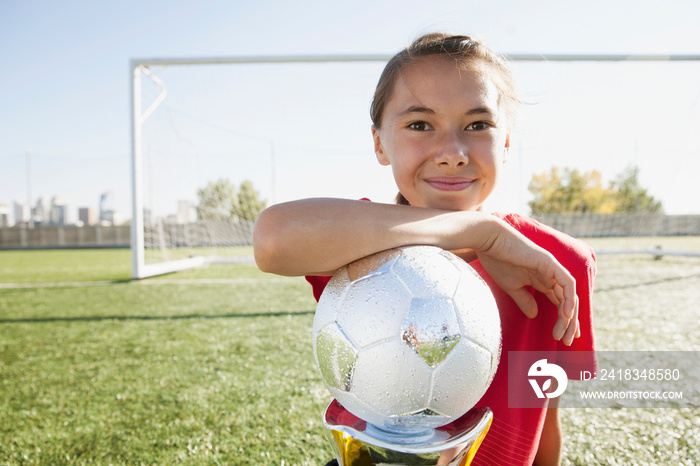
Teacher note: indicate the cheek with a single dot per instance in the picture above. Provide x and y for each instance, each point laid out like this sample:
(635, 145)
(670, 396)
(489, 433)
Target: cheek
(404, 178)
(401, 174)
(404, 156)
(495, 155)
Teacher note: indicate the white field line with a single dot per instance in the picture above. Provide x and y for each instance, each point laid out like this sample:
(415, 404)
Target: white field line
(187, 281)
(658, 252)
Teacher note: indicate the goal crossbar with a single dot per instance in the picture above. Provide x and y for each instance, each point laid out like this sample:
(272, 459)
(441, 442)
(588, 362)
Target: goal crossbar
(380, 57)
(138, 66)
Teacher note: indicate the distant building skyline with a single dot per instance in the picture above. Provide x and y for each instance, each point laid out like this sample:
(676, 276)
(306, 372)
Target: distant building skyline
(21, 211)
(55, 211)
(58, 212)
(87, 215)
(4, 215)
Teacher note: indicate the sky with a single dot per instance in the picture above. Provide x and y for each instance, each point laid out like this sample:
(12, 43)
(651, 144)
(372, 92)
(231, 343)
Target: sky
(65, 94)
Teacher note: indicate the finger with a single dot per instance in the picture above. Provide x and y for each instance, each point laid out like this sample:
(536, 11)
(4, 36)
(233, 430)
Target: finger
(567, 288)
(560, 327)
(572, 329)
(578, 328)
(558, 291)
(525, 302)
(563, 322)
(551, 295)
(552, 289)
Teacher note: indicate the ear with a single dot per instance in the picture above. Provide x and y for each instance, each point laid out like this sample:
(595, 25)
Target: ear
(378, 149)
(506, 148)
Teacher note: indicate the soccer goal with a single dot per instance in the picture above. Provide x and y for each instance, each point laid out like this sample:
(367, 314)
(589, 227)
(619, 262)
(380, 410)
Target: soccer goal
(299, 126)
(242, 119)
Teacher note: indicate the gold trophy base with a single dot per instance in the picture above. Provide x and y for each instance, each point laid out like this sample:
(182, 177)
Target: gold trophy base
(358, 443)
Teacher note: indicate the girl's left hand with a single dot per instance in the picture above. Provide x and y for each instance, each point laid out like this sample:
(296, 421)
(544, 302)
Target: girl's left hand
(514, 262)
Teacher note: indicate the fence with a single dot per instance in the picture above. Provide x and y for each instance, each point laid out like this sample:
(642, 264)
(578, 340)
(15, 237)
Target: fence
(599, 225)
(577, 225)
(68, 236)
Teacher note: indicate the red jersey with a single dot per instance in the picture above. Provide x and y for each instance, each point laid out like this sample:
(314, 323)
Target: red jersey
(515, 432)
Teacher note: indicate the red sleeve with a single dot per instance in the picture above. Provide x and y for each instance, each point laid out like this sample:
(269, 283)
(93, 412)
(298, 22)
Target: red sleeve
(579, 259)
(318, 284)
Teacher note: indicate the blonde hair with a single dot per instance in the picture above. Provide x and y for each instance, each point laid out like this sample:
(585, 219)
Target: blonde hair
(466, 52)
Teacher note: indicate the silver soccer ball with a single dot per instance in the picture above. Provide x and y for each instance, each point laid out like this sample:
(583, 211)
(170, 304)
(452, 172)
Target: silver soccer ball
(407, 339)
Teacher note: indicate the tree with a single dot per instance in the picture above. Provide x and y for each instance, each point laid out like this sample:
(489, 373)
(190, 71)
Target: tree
(567, 191)
(249, 203)
(630, 196)
(570, 191)
(222, 201)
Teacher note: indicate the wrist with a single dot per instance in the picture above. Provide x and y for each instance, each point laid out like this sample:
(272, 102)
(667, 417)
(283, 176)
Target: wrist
(484, 230)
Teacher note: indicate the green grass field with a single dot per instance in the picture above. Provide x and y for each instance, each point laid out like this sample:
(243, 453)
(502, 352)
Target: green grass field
(214, 366)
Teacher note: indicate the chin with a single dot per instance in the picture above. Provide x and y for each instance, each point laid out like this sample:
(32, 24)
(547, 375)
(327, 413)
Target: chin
(453, 202)
(456, 206)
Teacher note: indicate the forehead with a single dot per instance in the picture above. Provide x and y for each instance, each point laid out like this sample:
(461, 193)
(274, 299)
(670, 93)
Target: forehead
(441, 82)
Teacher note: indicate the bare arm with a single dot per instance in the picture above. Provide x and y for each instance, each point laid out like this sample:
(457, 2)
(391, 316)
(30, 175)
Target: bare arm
(315, 236)
(318, 236)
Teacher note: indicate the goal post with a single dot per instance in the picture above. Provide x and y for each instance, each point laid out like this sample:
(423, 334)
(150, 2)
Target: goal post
(160, 247)
(138, 68)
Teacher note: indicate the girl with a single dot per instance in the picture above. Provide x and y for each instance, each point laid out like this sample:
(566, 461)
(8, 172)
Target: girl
(442, 115)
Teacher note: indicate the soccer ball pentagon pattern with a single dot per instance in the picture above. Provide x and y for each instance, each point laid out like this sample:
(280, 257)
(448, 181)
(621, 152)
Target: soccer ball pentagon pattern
(407, 339)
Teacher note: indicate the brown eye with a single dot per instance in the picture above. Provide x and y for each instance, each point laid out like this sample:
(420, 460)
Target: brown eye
(478, 126)
(419, 126)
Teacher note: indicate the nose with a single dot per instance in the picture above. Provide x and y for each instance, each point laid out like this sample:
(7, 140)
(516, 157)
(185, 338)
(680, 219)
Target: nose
(452, 151)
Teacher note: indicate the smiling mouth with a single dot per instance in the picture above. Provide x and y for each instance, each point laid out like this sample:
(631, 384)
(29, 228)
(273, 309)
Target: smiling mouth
(450, 184)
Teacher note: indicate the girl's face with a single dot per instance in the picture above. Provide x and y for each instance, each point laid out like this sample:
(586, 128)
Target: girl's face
(444, 135)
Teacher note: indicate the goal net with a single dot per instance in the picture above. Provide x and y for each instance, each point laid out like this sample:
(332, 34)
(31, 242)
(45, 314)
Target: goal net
(292, 127)
(295, 127)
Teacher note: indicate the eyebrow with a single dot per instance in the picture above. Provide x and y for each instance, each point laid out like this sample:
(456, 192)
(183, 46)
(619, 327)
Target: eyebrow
(417, 109)
(430, 111)
(480, 110)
